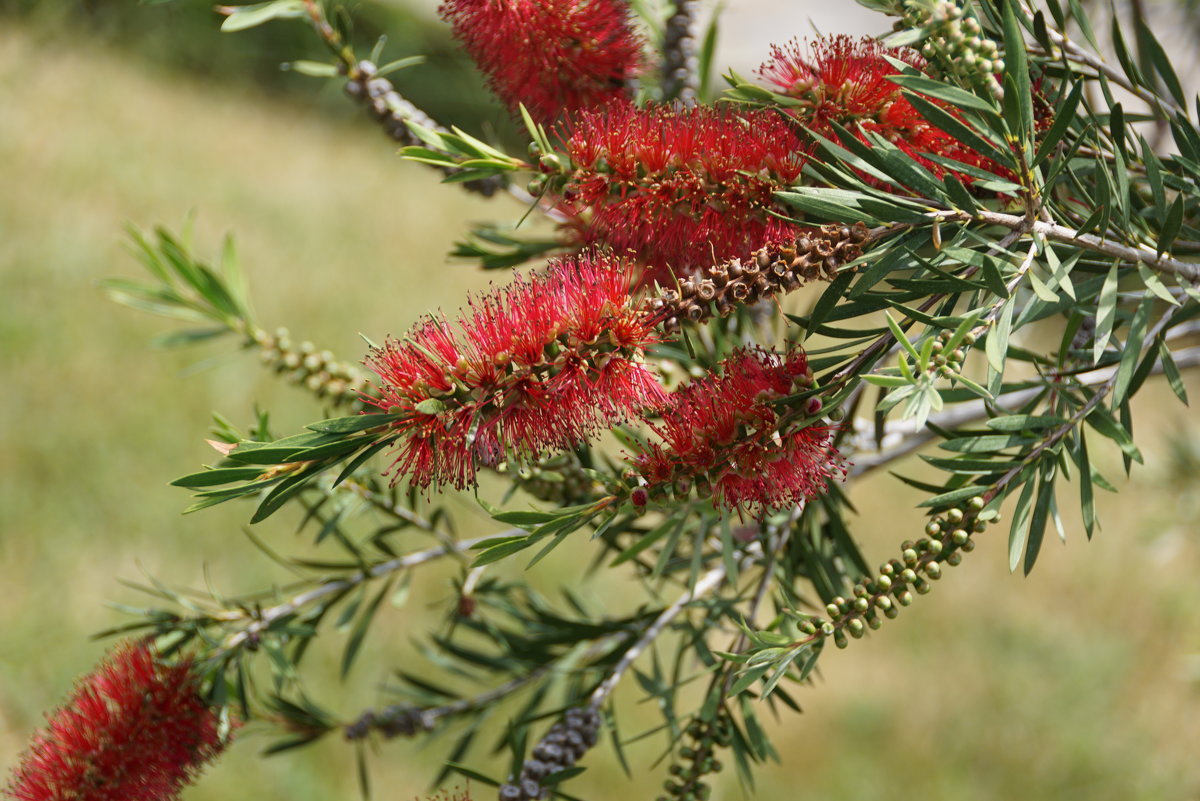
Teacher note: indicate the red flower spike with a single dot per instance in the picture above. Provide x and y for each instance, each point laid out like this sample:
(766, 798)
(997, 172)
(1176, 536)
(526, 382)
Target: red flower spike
(134, 730)
(845, 80)
(535, 366)
(554, 56)
(680, 188)
(724, 431)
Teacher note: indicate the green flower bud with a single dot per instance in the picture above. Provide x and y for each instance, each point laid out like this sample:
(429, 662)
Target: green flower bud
(892, 613)
(839, 639)
(884, 582)
(832, 610)
(908, 575)
(827, 628)
(935, 547)
(910, 557)
(959, 536)
(922, 587)
(933, 528)
(955, 515)
(905, 598)
(857, 627)
(933, 570)
(861, 604)
(883, 602)
(979, 526)
(968, 546)
(954, 559)
(875, 624)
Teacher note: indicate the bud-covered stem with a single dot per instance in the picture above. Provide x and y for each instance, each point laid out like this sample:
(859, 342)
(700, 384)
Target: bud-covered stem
(380, 97)
(681, 67)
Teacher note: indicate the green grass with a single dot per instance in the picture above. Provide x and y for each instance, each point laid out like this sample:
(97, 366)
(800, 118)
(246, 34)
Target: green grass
(1073, 683)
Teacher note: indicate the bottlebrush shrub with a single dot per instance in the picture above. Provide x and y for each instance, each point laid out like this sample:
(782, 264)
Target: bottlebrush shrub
(725, 435)
(536, 366)
(850, 257)
(552, 56)
(846, 81)
(133, 730)
(680, 189)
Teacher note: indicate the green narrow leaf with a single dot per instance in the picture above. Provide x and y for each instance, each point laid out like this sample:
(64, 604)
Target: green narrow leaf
(1171, 226)
(1087, 493)
(826, 303)
(1063, 117)
(1106, 313)
(958, 98)
(1161, 62)
(1041, 511)
(1103, 422)
(962, 131)
(1171, 371)
(996, 344)
(1019, 530)
(1132, 350)
(1016, 70)
(902, 338)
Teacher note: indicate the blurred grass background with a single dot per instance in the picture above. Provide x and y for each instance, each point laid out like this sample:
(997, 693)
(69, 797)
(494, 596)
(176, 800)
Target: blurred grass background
(1081, 681)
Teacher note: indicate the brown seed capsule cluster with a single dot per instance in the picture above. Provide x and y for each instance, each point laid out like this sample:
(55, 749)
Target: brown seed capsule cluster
(815, 253)
(401, 720)
(339, 382)
(697, 760)
(560, 749)
(392, 110)
(681, 64)
(921, 562)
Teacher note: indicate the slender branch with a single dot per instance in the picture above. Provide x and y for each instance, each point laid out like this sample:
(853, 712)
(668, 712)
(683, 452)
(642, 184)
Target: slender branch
(1189, 271)
(266, 617)
(407, 720)
(912, 438)
(704, 585)
(1073, 52)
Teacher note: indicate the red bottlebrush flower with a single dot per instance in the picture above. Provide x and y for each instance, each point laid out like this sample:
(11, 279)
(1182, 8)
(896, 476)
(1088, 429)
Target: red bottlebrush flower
(537, 365)
(681, 188)
(134, 730)
(724, 431)
(845, 80)
(554, 56)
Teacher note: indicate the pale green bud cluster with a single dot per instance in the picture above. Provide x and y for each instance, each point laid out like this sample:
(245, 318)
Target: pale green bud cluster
(956, 44)
(559, 479)
(949, 363)
(897, 581)
(317, 371)
(697, 760)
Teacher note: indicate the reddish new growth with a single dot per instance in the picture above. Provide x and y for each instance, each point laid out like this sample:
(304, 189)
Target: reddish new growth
(724, 433)
(134, 730)
(554, 56)
(535, 366)
(845, 81)
(681, 188)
